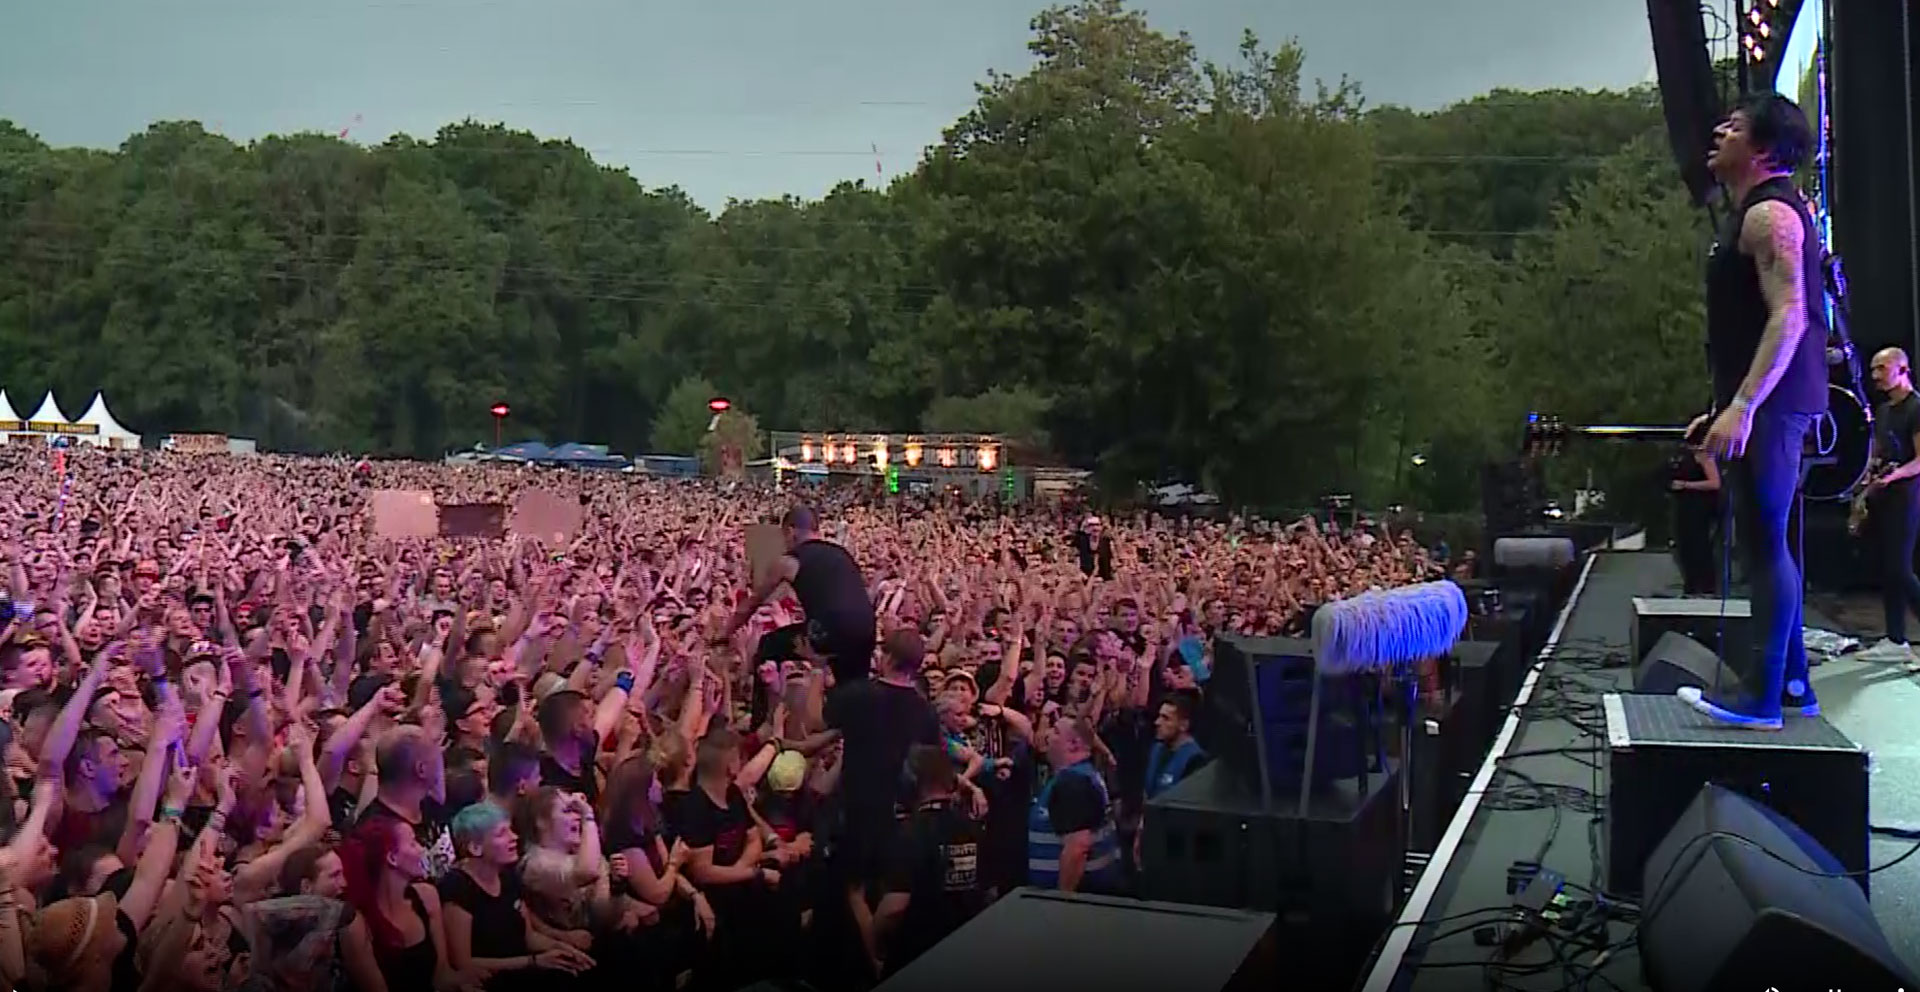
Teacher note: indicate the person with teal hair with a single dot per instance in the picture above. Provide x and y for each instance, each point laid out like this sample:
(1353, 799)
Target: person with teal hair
(480, 903)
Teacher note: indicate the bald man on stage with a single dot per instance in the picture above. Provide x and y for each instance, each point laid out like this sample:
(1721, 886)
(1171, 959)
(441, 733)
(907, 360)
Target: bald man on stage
(1893, 502)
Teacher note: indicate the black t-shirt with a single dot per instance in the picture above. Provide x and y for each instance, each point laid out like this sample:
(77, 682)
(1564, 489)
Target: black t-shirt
(126, 969)
(1894, 427)
(673, 814)
(341, 803)
(879, 722)
(1075, 805)
(499, 931)
(1094, 559)
(587, 783)
(723, 828)
(426, 831)
(832, 592)
(790, 814)
(936, 859)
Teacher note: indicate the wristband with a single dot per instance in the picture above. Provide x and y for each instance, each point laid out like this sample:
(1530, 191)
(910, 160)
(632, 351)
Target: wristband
(624, 682)
(169, 814)
(1738, 403)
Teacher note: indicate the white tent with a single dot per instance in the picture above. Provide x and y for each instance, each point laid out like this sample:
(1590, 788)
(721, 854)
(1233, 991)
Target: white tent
(49, 412)
(6, 409)
(107, 431)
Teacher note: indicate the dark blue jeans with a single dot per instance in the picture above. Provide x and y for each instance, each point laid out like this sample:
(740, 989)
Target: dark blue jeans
(1761, 487)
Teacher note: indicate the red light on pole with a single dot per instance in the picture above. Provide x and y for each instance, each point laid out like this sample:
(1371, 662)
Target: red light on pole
(719, 404)
(499, 411)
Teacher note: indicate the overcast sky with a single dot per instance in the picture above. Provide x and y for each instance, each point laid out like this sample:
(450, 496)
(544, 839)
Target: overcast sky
(724, 98)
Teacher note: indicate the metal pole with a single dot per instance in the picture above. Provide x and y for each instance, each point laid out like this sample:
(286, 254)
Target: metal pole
(496, 430)
(1913, 187)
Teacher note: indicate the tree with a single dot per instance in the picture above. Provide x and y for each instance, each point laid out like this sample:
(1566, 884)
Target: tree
(684, 415)
(1016, 412)
(1604, 315)
(1485, 171)
(1227, 274)
(735, 432)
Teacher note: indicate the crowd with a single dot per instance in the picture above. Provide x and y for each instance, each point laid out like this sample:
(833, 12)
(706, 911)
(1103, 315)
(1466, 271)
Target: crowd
(252, 744)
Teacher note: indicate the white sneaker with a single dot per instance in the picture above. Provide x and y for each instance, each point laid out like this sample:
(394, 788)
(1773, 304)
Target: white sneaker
(1888, 652)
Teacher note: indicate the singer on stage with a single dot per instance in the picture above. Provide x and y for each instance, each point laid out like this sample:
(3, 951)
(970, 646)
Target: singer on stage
(1766, 344)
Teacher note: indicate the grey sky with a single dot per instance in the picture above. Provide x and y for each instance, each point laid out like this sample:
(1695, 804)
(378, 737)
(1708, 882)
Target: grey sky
(725, 98)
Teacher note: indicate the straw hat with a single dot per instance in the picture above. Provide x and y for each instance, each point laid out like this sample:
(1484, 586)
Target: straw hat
(74, 937)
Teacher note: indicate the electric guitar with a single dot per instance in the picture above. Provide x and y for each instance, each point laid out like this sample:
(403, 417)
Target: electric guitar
(1857, 508)
(1839, 448)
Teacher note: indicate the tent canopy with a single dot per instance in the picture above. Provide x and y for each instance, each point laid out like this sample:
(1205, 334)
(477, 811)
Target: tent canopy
(102, 418)
(49, 411)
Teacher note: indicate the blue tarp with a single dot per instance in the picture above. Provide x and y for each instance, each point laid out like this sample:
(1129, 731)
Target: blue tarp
(569, 454)
(532, 451)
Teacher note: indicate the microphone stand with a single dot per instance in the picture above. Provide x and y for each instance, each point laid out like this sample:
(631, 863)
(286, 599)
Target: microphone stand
(1834, 271)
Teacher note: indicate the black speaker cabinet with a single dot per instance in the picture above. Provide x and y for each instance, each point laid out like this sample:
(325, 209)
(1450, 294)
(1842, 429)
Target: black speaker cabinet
(1660, 752)
(1678, 660)
(1036, 941)
(1211, 841)
(1724, 626)
(1738, 897)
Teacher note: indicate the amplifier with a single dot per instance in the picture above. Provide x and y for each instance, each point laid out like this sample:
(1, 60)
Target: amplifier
(1040, 941)
(1660, 753)
(1701, 619)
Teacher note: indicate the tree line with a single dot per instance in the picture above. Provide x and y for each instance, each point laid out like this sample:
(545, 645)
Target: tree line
(1155, 266)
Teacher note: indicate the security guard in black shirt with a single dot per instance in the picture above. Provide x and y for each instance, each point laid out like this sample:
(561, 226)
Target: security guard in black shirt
(934, 884)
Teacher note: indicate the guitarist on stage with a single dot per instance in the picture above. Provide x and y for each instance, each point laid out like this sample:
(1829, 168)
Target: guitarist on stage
(1893, 503)
(1766, 345)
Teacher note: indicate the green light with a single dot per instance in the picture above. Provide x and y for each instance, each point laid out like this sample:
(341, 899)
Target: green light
(893, 478)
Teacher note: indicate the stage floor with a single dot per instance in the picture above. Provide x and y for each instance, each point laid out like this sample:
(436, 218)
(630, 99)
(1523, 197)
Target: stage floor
(1872, 704)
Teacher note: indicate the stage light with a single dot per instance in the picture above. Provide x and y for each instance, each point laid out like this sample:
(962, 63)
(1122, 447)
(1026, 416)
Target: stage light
(806, 451)
(719, 404)
(1766, 30)
(848, 455)
(880, 455)
(986, 458)
(913, 455)
(1755, 16)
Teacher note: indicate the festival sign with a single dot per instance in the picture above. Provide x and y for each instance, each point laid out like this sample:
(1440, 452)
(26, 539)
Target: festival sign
(199, 444)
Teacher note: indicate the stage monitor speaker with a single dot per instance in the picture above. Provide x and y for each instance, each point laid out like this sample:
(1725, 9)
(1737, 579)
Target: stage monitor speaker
(1678, 660)
(1688, 93)
(1738, 897)
(1254, 717)
(1041, 941)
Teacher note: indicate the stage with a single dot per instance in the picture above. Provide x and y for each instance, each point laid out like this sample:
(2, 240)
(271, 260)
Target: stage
(1557, 743)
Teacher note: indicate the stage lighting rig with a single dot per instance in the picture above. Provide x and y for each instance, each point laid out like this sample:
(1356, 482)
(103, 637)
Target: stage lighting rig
(1764, 27)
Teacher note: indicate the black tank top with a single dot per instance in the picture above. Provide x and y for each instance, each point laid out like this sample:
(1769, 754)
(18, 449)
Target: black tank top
(832, 591)
(1737, 311)
(412, 967)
